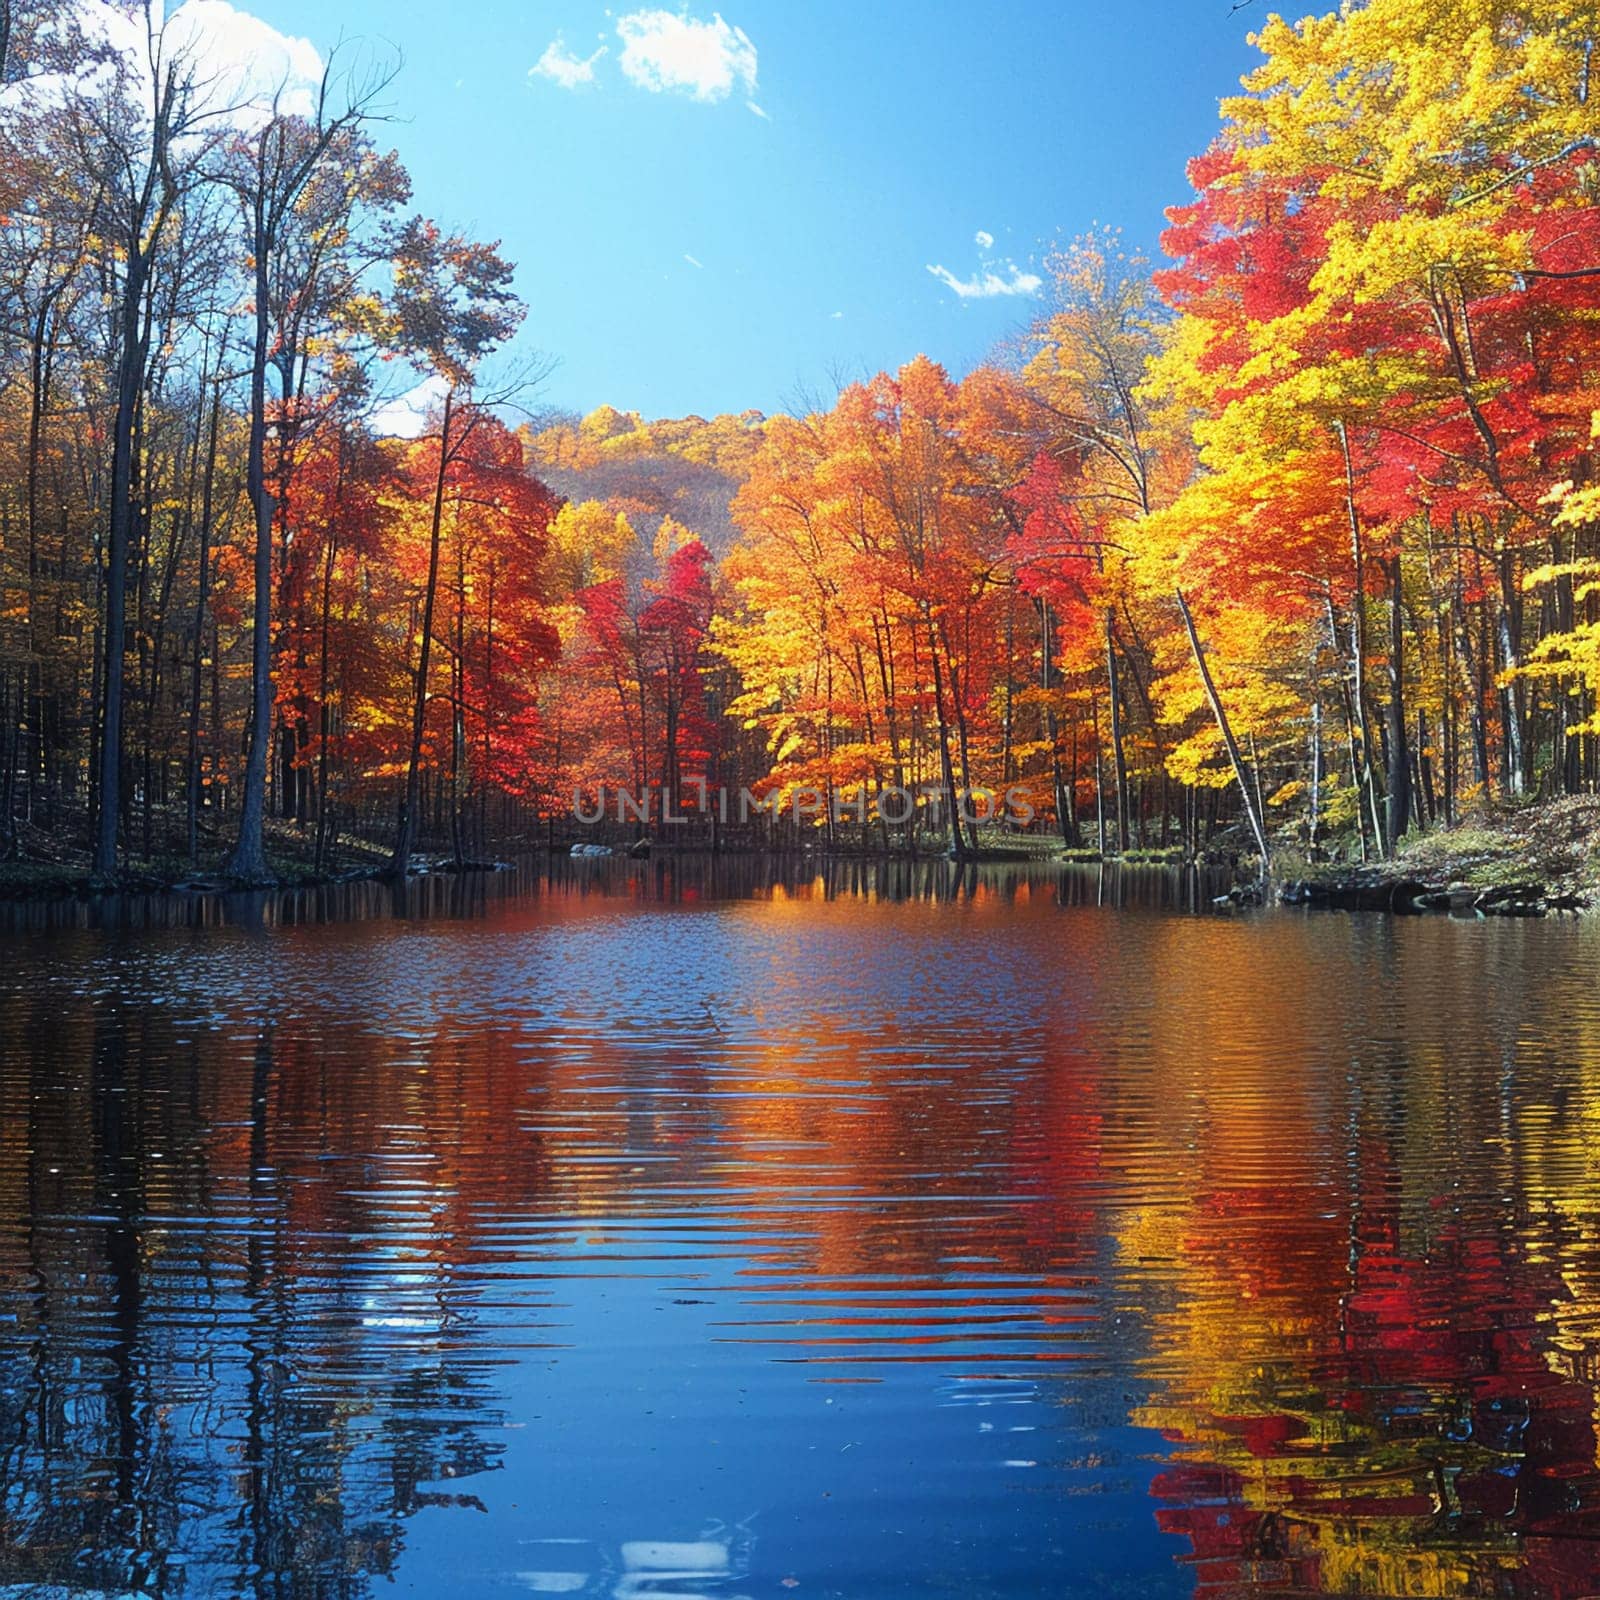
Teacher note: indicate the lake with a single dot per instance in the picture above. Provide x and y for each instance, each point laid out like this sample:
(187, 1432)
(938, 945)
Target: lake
(660, 1230)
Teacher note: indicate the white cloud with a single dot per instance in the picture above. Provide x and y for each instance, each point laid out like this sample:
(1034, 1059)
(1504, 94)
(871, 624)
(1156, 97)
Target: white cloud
(242, 65)
(668, 53)
(760, 111)
(986, 283)
(834, 316)
(250, 62)
(406, 416)
(692, 262)
(983, 239)
(563, 68)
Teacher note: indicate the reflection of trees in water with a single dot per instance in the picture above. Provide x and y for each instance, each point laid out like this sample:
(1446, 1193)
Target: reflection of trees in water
(664, 879)
(256, 1358)
(255, 1288)
(199, 1389)
(1370, 1367)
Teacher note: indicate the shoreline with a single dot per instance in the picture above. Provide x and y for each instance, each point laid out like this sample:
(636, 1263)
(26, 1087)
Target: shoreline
(43, 883)
(31, 886)
(1400, 895)
(1534, 861)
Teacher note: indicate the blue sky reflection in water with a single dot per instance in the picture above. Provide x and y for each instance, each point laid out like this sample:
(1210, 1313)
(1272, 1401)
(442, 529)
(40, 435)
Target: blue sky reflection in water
(638, 1234)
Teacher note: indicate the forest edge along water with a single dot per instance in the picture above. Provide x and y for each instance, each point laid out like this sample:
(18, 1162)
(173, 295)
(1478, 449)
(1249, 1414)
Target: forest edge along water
(1539, 859)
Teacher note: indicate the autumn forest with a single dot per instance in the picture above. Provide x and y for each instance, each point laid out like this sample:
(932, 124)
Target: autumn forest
(736, 991)
(1290, 537)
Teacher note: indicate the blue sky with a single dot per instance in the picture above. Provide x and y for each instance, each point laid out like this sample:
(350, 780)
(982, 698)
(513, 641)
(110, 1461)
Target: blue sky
(681, 251)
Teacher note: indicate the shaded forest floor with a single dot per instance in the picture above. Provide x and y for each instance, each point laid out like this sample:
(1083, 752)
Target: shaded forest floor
(1519, 861)
(52, 864)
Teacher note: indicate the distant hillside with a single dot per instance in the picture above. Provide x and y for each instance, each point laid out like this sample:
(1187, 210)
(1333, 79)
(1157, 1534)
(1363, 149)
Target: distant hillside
(687, 468)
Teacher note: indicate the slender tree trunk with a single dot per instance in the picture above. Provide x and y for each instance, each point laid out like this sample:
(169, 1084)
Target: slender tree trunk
(39, 368)
(1239, 773)
(1119, 763)
(130, 384)
(1351, 746)
(1358, 637)
(1007, 698)
(1426, 798)
(1472, 678)
(13, 744)
(946, 766)
(1449, 715)
(488, 711)
(458, 725)
(405, 828)
(1066, 808)
(324, 711)
(1398, 817)
(1316, 772)
(1511, 708)
(1099, 778)
(248, 861)
(197, 655)
(958, 707)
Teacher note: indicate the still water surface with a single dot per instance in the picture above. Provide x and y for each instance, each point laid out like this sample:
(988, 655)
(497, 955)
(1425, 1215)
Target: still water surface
(639, 1232)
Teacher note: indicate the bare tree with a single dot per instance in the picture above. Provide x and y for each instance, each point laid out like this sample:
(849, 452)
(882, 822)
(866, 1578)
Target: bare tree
(146, 139)
(271, 171)
(455, 304)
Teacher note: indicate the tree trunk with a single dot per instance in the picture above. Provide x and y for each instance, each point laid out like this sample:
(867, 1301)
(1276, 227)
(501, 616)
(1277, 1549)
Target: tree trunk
(405, 827)
(946, 766)
(1358, 638)
(1066, 810)
(324, 713)
(1398, 816)
(458, 725)
(1510, 622)
(1119, 763)
(130, 382)
(197, 655)
(1316, 772)
(1240, 776)
(248, 861)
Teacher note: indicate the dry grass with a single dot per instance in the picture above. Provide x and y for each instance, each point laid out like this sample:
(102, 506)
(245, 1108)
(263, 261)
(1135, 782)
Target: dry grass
(1555, 843)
